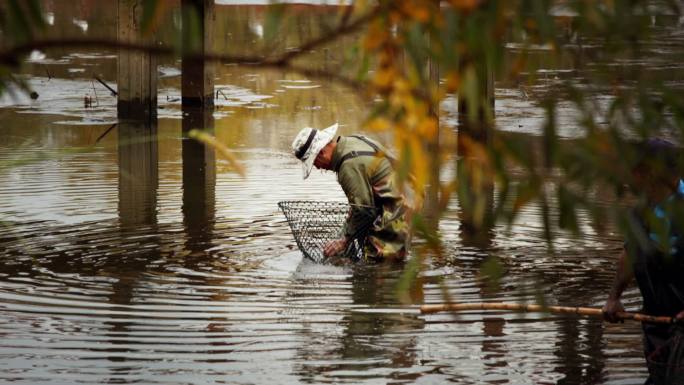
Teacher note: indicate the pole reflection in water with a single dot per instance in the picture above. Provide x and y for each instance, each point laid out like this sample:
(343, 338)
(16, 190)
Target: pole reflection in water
(199, 180)
(579, 348)
(476, 225)
(138, 173)
(494, 352)
(138, 185)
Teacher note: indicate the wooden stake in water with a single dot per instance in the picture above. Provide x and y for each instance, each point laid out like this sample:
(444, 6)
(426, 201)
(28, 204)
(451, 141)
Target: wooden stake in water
(588, 311)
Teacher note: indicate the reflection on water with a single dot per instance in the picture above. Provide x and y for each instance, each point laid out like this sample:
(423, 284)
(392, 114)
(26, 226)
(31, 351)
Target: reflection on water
(199, 180)
(138, 175)
(143, 258)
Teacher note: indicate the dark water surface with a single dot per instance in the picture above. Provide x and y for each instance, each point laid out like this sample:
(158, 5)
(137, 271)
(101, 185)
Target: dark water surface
(117, 268)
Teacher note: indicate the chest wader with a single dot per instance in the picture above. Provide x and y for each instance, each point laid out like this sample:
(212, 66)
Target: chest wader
(389, 233)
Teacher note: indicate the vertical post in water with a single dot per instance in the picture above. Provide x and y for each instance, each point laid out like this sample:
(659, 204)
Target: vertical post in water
(197, 88)
(136, 70)
(199, 180)
(475, 117)
(197, 92)
(138, 173)
(475, 129)
(432, 193)
(137, 112)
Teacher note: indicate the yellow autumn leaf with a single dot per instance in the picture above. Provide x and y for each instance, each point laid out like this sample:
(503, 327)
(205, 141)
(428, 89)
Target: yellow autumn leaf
(453, 81)
(375, 37)
(464, 5)
(384, 78)
(379, 124)
(420, 162)
(416, 10)
(211, 141)
(428, 128)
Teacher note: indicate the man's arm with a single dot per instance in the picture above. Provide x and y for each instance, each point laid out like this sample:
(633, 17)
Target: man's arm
(623, 277)
(358, 191)
(356, 186)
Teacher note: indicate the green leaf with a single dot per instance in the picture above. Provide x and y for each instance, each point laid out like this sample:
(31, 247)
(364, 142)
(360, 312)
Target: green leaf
(568, 217)
(19, 24)
(550, 135)
(274, 18)
(546, 218)
(491, 271)
(149, 11)
(364, 67)
(191, 30)
(408, 278)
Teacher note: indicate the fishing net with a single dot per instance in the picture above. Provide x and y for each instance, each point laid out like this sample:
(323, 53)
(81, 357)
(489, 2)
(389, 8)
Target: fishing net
(666, 364)
(315, 224)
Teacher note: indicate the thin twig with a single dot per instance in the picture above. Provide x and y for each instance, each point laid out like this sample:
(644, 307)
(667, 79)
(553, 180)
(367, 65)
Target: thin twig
(105, 133)
(114, 93)
(590, 311)
(97, 100)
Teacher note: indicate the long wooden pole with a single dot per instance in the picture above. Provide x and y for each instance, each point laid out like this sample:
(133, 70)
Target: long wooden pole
(590, 311)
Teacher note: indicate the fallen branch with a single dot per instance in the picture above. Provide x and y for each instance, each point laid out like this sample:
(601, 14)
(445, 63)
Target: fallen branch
(589, 311)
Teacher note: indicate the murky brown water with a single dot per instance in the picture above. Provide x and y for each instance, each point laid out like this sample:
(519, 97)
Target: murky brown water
(118, 269)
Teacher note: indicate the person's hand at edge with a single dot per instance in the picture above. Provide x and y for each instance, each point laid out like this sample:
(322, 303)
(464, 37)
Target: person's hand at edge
(611, 308)
(623, 277)
(335, 247)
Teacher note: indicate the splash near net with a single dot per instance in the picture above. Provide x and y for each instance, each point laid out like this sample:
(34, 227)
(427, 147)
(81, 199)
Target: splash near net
(314, 224)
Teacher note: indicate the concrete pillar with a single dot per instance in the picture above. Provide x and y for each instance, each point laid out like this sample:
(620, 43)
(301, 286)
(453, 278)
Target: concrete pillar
(136, 71)
(197, 76)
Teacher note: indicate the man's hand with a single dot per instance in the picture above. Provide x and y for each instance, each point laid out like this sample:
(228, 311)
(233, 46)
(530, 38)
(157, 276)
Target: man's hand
(623, 277)
(335, 247)
(614, 306)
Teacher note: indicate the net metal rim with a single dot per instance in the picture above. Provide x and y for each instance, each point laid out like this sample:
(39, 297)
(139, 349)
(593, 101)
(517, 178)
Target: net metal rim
(314, 223)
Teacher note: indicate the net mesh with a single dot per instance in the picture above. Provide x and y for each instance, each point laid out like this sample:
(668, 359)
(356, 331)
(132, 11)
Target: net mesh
(666, 364)
(314, 224)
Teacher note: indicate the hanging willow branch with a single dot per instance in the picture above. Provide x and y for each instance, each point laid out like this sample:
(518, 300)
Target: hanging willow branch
(11, 56)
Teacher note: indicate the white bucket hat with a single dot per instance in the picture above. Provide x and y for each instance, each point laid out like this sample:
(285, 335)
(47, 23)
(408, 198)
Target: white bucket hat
(309, 142)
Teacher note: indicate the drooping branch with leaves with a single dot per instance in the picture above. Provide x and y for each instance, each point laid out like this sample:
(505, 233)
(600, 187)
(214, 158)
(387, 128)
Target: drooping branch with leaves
(615, 99)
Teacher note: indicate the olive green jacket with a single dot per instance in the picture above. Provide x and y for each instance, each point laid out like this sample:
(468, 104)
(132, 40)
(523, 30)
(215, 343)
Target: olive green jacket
(369, 181)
